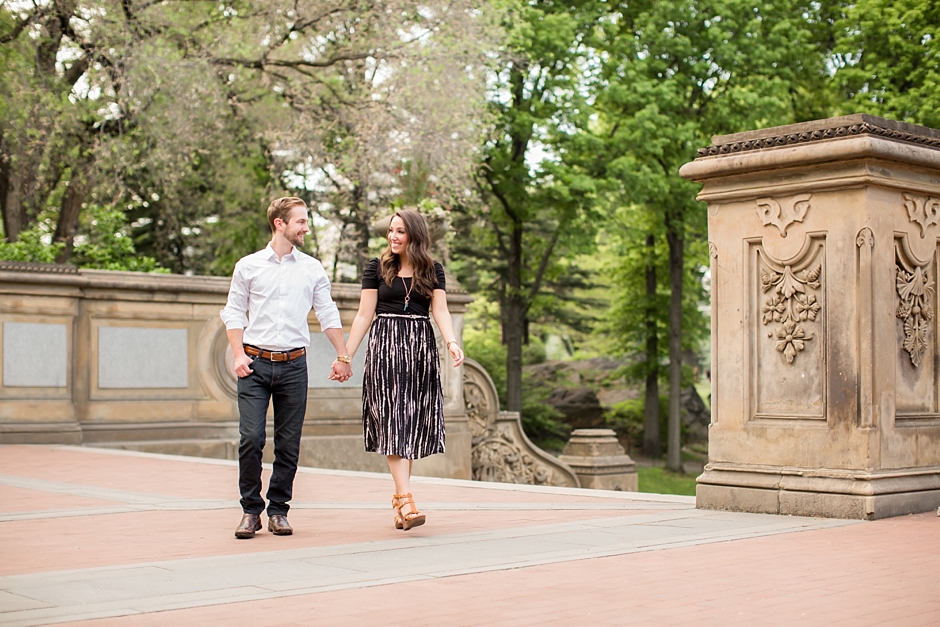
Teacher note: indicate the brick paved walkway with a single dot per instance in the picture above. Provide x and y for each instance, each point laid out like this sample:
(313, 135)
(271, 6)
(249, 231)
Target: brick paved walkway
(95, 537)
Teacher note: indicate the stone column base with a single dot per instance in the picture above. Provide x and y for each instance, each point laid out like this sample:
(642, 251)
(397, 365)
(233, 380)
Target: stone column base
(828, 494)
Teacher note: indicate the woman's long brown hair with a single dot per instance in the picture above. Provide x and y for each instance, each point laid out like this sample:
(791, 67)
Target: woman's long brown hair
(419, 243)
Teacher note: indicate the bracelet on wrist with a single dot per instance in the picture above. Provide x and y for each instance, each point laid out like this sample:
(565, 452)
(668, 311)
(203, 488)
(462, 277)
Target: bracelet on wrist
(344, 359)
(453, 342)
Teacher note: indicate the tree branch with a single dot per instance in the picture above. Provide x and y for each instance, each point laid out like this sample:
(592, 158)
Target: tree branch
(261, 63)
(20, 25)
(543, 263)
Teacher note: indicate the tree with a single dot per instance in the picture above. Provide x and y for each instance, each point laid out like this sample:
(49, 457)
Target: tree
(671, 75)
(888, 59)
(535, 212)
(187, 115)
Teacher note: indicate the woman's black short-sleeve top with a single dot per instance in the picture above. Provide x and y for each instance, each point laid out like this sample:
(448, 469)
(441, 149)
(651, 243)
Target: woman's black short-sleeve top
(392, 299)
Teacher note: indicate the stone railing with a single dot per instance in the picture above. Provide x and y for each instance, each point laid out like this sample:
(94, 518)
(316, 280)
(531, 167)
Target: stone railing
(142, 361)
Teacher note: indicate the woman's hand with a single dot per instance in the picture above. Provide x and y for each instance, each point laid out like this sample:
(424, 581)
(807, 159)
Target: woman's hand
(456, 353)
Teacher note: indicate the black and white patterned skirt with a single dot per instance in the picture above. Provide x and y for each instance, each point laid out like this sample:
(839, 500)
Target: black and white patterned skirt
(402, 401)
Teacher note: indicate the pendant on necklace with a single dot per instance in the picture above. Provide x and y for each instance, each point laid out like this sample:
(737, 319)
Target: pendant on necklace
(406, 304)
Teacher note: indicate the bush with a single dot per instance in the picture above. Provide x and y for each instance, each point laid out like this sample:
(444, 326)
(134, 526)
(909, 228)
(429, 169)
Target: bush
(540, 421)
(30, 247)
(628, 421)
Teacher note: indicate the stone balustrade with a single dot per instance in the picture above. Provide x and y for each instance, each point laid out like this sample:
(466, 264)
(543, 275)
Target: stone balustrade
(142, 361)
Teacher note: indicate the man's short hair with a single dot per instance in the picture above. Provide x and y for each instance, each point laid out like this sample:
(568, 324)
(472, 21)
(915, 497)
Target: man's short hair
(281, 208)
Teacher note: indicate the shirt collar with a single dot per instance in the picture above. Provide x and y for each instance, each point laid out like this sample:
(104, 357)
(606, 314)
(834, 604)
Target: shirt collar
(273, 255)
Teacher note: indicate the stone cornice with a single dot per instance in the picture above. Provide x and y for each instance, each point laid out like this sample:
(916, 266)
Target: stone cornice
(44, 268)
(44, 274)
(822, 130)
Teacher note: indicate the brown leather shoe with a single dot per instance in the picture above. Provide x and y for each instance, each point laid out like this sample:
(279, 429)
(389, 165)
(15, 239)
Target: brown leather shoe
(248, 526)
(278, 525)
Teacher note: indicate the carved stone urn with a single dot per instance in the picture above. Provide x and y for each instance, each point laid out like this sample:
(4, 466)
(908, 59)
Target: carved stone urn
(824, 259)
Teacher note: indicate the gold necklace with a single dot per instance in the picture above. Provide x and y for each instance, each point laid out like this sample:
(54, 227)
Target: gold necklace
(407, 291)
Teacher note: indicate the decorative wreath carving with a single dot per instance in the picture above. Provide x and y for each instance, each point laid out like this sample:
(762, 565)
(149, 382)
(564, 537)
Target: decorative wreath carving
(915, 294)
(791, 305)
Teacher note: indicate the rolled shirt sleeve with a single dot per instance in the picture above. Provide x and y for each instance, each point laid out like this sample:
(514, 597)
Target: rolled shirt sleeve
(235, 312)
(323, 306)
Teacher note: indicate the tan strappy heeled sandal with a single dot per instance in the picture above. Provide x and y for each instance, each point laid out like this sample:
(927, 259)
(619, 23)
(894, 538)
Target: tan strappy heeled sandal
(398, 523)
(414, 518)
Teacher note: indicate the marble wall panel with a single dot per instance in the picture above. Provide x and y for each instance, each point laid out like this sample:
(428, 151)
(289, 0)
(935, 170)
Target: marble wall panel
(142, 357)
(35, 355)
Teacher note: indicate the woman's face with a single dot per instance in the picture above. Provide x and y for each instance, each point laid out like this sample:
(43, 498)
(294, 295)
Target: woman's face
(397, 236)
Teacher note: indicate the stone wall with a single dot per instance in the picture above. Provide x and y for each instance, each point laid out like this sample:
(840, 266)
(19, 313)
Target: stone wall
(142, 361)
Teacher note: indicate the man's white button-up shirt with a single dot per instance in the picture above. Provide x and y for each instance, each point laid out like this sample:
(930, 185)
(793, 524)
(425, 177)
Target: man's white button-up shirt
(270, 299)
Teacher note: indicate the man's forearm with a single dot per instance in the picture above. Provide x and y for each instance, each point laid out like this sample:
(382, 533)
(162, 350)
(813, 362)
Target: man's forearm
(236, 337)
(337, 339)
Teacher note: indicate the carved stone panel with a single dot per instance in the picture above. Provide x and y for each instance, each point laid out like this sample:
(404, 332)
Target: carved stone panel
(916, 328)
(787, 322)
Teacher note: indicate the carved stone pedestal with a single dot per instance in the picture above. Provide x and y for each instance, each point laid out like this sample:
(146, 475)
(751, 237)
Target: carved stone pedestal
(825, 253)
(600, 462)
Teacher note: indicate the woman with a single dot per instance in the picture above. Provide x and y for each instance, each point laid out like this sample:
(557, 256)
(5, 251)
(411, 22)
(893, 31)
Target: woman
(402, 402)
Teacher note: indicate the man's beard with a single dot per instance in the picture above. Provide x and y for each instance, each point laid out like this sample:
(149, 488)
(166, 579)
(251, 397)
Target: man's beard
(297, 239)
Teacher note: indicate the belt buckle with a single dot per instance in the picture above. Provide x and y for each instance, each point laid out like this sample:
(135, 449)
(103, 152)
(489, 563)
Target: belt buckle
(279, 356)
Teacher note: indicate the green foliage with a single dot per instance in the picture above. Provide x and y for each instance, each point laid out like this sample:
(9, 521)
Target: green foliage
(104, 243)
(29, 246)
(541, 422)
(888, 58)
(626, 419)
(658, 480)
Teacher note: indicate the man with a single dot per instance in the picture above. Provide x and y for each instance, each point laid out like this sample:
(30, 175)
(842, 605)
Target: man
(265, 317)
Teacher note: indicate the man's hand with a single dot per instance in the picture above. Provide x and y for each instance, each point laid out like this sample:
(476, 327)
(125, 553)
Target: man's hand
(341, 372)
(241, 366)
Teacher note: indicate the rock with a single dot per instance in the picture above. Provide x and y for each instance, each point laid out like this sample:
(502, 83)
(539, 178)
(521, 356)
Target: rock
(695, 415)
(580, 406)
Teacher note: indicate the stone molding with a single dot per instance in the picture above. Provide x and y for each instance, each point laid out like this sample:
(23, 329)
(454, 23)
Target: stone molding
(44, 268)
(834, 128)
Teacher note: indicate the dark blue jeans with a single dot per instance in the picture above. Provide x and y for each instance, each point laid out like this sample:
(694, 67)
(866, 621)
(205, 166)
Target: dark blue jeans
(284, 382)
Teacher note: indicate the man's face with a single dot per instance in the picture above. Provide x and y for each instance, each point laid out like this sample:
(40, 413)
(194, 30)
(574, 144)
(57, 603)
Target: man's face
(296, 228)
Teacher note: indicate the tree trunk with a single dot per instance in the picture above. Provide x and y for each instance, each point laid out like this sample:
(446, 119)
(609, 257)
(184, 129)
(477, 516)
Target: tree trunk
(514, 322)
(652, 447)
(69, 212)
(14, 212)
(676, 272)
(5, 173)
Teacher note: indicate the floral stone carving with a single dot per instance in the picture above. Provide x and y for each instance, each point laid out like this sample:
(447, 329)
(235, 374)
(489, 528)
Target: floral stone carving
(915, 293)
(501, 451)
(922, 211)
(791, 305)
(782, 216)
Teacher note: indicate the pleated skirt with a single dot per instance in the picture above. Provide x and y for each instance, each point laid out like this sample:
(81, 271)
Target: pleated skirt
(402, 401)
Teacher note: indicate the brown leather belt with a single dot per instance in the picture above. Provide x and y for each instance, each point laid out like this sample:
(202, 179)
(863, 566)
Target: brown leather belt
(254, 351)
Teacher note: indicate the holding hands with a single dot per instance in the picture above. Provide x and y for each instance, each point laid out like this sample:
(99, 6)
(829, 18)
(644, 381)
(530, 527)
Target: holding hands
(341, 370)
